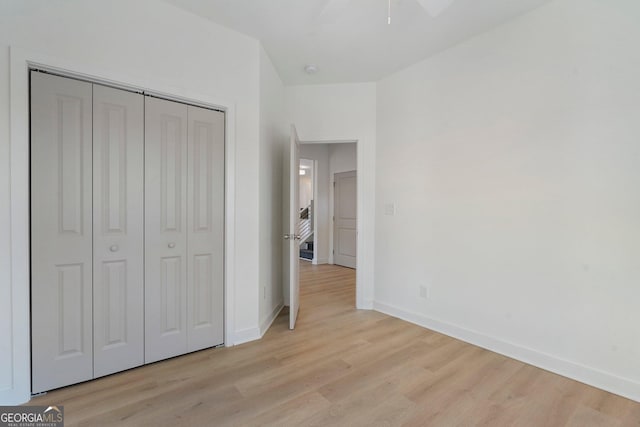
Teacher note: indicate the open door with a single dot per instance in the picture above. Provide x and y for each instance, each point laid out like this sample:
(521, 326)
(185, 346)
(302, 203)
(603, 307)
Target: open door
(293, 233)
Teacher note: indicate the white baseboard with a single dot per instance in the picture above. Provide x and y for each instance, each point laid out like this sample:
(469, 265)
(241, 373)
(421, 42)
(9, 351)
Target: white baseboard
(252, 334)
(576, 371)
(246, 335)
(322, 261)
(268, 321)
(366, 305)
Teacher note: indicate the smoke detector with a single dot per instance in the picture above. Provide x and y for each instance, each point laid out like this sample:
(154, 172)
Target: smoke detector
(310, 69)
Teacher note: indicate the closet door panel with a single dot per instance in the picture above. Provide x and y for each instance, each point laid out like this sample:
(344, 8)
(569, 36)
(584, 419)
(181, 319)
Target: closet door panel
(165, 229)
(205, 226)
(61, 231)
(118, 224)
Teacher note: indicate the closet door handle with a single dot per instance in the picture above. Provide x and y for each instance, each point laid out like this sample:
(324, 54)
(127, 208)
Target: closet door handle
(171, 245)
(114, 248)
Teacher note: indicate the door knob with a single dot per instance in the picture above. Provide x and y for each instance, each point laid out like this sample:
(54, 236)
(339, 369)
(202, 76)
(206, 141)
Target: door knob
(287, 236)
(171, 245)
(114, 248)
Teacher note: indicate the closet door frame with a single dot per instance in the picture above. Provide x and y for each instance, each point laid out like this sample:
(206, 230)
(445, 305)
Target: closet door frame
(22, 61)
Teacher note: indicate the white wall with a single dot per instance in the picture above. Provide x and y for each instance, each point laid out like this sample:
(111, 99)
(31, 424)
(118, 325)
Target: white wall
(306, 182)
(513, 160)
(342, 158)
(141, 41)
(6, 322)
(273, 139)
(306, 189)
(333, 112)
(345, 112)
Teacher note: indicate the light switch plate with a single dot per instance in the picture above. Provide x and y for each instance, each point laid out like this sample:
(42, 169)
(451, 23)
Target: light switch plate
(389, 208)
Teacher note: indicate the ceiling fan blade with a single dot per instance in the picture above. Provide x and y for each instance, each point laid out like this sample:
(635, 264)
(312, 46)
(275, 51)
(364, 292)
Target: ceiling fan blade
(435, 7)
(332, 10)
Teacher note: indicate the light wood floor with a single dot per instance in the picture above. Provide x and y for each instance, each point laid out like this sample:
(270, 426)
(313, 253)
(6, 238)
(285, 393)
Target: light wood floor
(341, 367)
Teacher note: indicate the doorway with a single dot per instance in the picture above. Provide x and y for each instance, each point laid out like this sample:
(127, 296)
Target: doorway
(329, 170)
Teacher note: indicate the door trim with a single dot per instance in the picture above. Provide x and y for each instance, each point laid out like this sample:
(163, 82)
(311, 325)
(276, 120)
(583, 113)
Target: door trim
(21, 61)
(365, 161)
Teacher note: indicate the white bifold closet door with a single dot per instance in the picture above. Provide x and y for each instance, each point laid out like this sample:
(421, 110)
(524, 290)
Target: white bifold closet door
(205, 228)
(87, 161)
(61, 232)
(118, 225)
(184, 220)
(165, 229)
(127, 230)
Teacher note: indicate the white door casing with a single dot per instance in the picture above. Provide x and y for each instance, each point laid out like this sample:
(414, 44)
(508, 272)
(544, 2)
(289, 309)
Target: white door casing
(345, 208)
(165, 229)
(205, 225)
(118, 225)
(61, 231)
(294, 229)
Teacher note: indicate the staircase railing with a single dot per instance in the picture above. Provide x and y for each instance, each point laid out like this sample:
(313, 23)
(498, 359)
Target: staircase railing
(306, 223)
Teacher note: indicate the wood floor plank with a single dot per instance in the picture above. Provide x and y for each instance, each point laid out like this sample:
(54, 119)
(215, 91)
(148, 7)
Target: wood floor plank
(342, 367)
(293, 412)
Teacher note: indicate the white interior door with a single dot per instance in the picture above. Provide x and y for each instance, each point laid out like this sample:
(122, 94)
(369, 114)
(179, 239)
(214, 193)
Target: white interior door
(165, 229)
(294, 229)
(118, 224)
(61, 231)
(345, 209)
(205, 223)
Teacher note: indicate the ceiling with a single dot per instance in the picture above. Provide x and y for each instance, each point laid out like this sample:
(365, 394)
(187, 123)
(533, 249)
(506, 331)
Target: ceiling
(352, 42)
